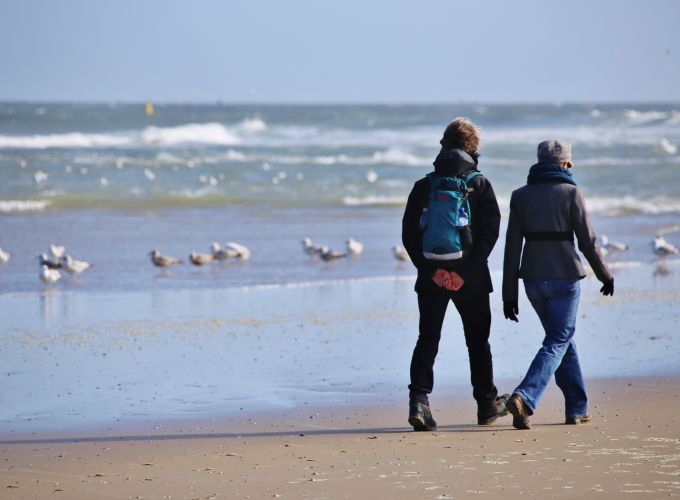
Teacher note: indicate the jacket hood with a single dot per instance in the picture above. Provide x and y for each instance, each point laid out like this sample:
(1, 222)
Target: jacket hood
(454, 162)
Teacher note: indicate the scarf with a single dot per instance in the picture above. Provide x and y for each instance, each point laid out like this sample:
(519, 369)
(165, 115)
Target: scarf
(549, 172)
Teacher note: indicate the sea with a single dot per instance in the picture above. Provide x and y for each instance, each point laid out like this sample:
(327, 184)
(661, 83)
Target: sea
(112, 181)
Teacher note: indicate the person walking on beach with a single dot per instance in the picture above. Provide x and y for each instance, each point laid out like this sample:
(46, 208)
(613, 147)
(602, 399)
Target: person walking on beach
(449, 275)
(546, 213)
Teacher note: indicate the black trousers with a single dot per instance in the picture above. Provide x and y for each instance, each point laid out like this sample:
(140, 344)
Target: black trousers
(476, 316)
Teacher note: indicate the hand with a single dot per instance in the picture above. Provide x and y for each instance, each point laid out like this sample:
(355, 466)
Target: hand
(456, 281)
(441, 278)
(608, 288)
(510, 311)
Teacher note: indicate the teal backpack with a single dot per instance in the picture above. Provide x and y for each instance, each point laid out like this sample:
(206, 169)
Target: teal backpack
(445, 221)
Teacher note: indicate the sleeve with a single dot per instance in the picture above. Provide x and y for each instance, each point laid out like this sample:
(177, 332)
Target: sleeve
(410, 225)
(513, 254)
(486, 222)
(587, 240)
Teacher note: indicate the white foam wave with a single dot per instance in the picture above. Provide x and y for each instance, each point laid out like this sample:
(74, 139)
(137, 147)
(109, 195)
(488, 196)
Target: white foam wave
(252, 125)
(630, 204)
(395, 157)
(358, 201)
(8, 206)
(68, 140)
(193, 133)
(636, 117)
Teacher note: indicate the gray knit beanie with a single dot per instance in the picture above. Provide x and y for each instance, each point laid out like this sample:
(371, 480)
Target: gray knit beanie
(555, 151)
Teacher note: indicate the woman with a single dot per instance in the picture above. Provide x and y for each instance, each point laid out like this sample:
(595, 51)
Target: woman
(546, 213)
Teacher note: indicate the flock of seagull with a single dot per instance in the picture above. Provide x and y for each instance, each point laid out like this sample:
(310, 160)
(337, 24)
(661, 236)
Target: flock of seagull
(53, 262)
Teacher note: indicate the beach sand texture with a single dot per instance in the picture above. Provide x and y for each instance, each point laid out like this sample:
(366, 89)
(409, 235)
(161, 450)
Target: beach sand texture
(631, 449)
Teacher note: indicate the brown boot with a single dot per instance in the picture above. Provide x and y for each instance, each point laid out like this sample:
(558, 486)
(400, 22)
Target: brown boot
(489, 411)
(580, 419)
(520, 412)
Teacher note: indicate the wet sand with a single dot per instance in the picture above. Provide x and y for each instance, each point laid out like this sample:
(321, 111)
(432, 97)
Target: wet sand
(631, 449)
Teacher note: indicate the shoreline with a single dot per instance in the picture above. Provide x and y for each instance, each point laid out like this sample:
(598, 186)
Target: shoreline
(631, 448)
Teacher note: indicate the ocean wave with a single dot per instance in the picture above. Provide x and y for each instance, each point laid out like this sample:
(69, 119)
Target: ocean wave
(636, 117)
(359, 201)
(10, 206)
(624, 205)
(193, 133)
(252, 125)
(68, 140)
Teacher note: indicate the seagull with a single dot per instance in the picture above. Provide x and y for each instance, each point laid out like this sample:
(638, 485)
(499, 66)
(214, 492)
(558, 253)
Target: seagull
(309, 248)
(73, 266)
(200, 259)
(611, 246)
(47, 262)
(242, 251)
(662, 248)
(354, 247)
(48, 275)
(222, 253)
(4, 256)
(159, 260)
(399, 253)
(327, 254)
(57, 251)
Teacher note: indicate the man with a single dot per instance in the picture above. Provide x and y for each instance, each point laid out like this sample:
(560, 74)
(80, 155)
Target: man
(467, 283)
(546, 213)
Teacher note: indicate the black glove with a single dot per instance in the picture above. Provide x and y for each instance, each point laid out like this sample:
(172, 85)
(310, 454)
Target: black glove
(511, 310)
(608, 288)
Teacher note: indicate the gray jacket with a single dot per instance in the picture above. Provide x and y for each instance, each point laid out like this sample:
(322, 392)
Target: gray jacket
(548, 208)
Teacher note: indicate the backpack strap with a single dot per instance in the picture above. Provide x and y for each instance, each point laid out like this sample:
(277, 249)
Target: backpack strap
(471, 175)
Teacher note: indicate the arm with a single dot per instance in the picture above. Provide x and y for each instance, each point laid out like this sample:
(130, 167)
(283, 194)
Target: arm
(410, 225)
(513, 254)
(586, 238)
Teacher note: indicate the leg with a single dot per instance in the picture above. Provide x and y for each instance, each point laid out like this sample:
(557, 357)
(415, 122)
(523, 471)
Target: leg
(556, 303)
(569, 379)
(476, 317)
(432, 310)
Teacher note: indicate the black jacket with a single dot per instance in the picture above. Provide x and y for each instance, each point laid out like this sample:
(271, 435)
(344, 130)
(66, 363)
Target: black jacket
(486, 219)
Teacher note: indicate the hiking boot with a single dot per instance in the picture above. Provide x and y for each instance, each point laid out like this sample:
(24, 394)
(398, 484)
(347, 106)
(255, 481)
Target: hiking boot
(420, 417)
(579, 419)
(489, 411)
(520, 412)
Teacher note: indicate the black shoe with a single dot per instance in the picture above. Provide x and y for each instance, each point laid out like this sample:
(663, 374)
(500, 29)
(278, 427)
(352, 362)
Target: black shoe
(420, 417)
(489, 411)
(520, 412)
(581, 419)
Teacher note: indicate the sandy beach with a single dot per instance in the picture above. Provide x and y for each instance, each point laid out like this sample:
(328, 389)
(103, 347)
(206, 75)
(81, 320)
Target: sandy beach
(631, 449)
(278, 392)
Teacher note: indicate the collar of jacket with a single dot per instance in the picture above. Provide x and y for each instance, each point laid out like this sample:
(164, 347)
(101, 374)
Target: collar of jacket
(549, 172)
(454, 163)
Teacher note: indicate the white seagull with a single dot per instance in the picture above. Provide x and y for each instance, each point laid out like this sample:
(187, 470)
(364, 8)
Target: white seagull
(48, 275)
(327, 254)
(57, 251)
(399, 253)
(608, 247)
(309, 248)
(242, 251)
(200, 259)
(73, 266)
(222, 253)
(662, 248)
(4, 256)
(159, 260)
(354, 247)
(49, 263)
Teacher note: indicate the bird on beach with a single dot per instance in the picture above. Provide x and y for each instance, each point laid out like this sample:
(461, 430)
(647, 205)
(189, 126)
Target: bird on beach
(400, 254)
(47, 262)
(242, 251)
(309, 248)
(608, 247)
(57, 251)
(663, 248)
(327, 254)
(4, 256)
(354, 248)
(73, 266)
(159, 260)
(200, 259)
(220, 253)
(48, 275)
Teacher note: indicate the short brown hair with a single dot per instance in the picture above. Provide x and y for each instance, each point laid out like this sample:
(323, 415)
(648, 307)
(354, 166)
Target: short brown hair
(461, 133)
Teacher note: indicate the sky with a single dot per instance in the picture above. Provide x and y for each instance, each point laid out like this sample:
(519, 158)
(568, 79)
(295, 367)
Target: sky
(307, 51)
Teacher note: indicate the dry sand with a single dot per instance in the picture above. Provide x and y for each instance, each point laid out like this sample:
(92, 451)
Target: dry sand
(631, 449)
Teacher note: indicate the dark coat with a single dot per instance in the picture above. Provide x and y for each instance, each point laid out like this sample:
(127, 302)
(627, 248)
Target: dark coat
(548, 207)
(485, 225)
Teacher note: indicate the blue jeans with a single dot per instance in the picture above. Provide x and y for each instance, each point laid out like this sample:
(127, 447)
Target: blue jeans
(556, 303)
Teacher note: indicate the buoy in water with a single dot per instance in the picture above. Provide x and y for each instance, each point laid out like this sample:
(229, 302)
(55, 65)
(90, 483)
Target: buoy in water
(148, 108)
